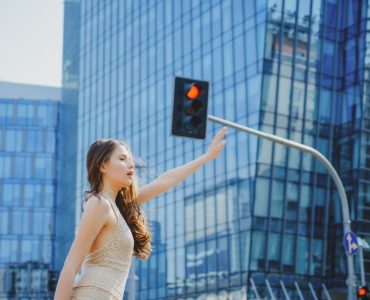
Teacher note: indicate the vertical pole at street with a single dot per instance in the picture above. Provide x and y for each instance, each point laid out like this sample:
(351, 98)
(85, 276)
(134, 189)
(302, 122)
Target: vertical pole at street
(332, 172)
(361, 258)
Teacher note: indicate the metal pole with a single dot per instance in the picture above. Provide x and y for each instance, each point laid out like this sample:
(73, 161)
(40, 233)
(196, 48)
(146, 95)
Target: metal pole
(284, 290)
(332, 172)
(298, 290)
(312, 291)
(270, 289)
(361, 258)
(255, 289)
(326, 291)
(362, 244)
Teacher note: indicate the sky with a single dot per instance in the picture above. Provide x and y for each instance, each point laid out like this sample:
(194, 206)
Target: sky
(31, 41)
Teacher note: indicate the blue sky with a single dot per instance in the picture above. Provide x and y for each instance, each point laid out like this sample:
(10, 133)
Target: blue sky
(31, 41)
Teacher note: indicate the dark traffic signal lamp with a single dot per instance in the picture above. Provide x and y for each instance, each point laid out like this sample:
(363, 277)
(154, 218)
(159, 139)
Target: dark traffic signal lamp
(190, 102)
(363, 292)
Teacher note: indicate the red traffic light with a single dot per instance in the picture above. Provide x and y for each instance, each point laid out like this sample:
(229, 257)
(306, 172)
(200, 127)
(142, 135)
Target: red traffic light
(362, 291)
(193, 92)
(190, 102)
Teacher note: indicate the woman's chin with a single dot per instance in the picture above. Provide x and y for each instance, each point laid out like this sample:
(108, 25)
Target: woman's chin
(126, 184)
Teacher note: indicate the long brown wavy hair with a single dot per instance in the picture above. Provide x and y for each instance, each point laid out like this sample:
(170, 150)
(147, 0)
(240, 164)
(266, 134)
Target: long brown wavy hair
(100, 152)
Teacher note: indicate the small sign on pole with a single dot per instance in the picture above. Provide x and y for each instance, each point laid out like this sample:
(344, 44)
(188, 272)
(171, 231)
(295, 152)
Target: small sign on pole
(351, 243)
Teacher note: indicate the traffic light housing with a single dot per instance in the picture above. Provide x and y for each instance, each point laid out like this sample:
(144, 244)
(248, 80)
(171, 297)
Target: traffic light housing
(190, 102)
(363, 292)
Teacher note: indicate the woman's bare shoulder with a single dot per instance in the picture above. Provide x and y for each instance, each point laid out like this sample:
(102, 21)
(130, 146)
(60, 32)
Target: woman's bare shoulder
(94, 203)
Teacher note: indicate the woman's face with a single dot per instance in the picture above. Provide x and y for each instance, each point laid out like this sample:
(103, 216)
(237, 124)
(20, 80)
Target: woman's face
(117, 170)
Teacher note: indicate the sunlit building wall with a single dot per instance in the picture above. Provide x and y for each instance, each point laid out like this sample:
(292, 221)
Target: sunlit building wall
(28, 129)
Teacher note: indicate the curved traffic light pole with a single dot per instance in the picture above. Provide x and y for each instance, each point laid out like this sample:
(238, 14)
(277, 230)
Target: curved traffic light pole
(333, 173)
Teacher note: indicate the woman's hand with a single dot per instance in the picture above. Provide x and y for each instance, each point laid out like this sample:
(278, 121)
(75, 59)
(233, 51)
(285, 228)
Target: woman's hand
(217, 144)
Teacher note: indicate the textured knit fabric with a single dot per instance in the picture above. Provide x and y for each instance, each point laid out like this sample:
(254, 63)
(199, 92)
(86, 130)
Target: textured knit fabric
(104, 271)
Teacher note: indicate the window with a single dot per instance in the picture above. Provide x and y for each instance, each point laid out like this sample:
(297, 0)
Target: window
(4, 250)
(42, 115)
(277, 198)
(4, 222)
(302, 255)
(49, 195)
(26, 250)
(258, 250)
(37, 223)
(10, 137)
(262, 197)
(8, 194)
(40, 165)
(50, 141)
(5, 166)
(28, 195)
(23, 113)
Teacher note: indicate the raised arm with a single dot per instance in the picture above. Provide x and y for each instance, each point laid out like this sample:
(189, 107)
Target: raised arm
(94, 218)
(172, 177)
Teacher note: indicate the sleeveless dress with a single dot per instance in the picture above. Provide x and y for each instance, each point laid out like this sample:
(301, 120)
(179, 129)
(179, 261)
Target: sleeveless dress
(104, 271)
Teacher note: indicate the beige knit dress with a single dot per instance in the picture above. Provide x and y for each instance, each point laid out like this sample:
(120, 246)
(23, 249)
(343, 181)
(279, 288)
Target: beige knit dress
(104, 271)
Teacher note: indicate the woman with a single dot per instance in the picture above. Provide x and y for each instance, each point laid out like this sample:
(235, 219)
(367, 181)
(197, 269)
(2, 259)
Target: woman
(112, 227)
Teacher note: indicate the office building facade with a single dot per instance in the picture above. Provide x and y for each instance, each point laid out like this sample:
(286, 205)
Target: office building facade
(28, 128)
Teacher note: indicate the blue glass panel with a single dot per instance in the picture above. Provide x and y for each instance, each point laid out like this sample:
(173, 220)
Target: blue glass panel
(26, 250)
(37, 223)
(10, 137)
(22, 114)
(4, 219)
(261, 206)
(4, 250)
(42, 115)
(258, 251)
(28, 195)
(302, 255)
(40, 166)
(288, 253)
(277, 199)
(3, 108)
(7, 198)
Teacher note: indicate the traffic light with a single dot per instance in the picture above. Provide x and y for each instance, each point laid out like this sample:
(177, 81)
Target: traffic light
(190, 101)
(363, 292)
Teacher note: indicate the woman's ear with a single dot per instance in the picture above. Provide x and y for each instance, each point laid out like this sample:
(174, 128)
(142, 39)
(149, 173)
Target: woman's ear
(103, 168)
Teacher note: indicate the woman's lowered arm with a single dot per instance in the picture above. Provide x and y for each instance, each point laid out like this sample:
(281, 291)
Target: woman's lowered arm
(172, 177)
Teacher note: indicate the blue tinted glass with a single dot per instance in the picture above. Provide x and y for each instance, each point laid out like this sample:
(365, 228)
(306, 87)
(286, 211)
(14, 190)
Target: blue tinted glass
(42, 115)
(7, 194)
(28, 195)
(26, 252)
(40, 166)
(22, 113)
(4, 222)
(4, 250)
(37, 223)
(10, 140)
(258, 250)
(261, 206)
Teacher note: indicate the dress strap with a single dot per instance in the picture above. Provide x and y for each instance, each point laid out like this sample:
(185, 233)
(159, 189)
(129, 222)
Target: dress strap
(111, 204)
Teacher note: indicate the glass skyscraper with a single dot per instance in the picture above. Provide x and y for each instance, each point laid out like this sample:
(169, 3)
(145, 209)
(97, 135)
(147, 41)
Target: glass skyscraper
(28, 126)
(297, 69)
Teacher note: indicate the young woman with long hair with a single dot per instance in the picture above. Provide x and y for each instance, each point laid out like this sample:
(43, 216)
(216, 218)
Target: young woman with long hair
(112, 227)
